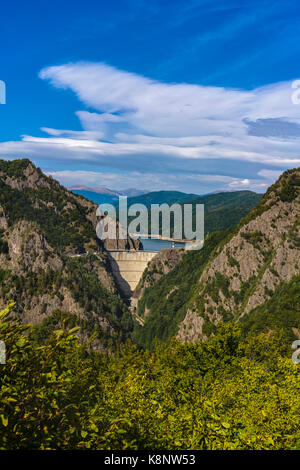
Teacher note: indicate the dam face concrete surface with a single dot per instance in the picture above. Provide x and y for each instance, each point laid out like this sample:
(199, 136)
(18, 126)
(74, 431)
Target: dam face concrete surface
(128, 267)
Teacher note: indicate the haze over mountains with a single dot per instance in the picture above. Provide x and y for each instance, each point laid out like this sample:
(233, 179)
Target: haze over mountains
(103, 194)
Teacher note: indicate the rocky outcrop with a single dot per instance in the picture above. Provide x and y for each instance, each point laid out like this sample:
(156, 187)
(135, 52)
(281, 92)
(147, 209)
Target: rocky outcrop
(161, 264)
(50, 257)
(31, 177)
(261, 253)
(29, 250)
(190, 329)
(234, 275)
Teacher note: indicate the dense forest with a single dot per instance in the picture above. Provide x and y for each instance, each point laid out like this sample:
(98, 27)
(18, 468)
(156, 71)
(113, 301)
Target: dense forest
(234, 391)
(221, 211)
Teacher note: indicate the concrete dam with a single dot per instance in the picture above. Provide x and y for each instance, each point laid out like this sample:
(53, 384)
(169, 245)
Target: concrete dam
(128, 267)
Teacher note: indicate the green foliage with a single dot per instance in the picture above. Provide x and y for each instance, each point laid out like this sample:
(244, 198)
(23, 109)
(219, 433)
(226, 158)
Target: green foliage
(233, 262)
(228, 393)
(168, 300)
(78, 276)
(225, 210)
(44, 390)
(221, 211)
(15, 168)
(160, 197)
(220, 283)
(289, 188)
(255, 238)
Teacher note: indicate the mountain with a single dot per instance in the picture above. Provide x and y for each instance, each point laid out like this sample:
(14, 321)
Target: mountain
(234, 277)
(161, 197)
(98, 198)
(51, 259)
(235, 390)
(221, 211)
(104, 195)
(132, 192)
(225, 209)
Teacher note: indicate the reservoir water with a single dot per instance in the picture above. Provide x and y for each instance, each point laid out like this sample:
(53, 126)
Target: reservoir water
(155, 244)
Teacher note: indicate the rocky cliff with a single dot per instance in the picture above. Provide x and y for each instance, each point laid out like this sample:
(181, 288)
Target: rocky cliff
(51, 258)
(235, 272)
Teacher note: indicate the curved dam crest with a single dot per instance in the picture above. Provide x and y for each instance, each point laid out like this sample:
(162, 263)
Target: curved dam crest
(128, 267)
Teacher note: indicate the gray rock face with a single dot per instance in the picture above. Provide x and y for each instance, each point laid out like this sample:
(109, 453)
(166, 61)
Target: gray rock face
(36, 272)
(162, 263)
(244, 273)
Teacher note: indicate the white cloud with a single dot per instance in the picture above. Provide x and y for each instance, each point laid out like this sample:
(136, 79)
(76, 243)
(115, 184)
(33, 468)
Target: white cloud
(85, 135)
(239, 183)
(199, 184)
(169, 109)
(269, 174)
(149, 181)
(171, 129)
(252, 185)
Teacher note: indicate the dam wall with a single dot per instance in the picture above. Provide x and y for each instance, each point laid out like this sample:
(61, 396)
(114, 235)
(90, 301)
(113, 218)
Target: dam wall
(128, 267)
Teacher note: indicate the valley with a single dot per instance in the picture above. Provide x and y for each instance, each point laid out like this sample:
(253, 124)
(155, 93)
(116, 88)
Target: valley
(188, 337)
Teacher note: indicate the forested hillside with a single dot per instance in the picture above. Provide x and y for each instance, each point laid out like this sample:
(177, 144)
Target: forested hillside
(228, 393)
(51, 259)
(225, 209)
(221, 211)
(235, 272)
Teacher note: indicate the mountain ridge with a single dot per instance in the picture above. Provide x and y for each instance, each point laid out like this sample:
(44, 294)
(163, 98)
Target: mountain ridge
(51, 259)
(235, 272)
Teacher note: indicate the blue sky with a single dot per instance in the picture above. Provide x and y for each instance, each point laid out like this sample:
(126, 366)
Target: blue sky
(188, 95)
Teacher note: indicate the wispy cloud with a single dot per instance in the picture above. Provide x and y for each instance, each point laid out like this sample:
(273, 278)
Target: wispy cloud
(170, 132)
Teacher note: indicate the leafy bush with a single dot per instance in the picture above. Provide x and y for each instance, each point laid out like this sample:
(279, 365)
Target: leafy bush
(227, 393)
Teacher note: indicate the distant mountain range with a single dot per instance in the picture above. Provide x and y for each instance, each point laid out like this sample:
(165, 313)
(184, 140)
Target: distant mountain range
(222, 209)
(103, 194)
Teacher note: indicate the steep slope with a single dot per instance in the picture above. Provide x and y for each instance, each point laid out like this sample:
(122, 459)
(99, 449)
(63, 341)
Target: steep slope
(162, 263)
(234, 273)
(51, 258)
(226, 209)
(282, 310)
